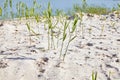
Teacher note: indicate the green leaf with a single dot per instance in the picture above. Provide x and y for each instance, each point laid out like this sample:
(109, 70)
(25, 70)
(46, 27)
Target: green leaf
(0, 11)
(49, 11)
(37, 18)
(33, 32)
(66, 25)
(64, 36)
(74, 25)
(72, 38)
(49, 24)
(96, 76)
(93, 78)
(32, 12)
(10, 2)
(28, 26)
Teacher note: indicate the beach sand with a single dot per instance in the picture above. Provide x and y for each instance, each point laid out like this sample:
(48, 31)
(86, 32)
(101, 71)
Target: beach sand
(93, 50)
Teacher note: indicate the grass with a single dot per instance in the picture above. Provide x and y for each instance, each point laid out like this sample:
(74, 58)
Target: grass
(94, 75)
(96, 10)
(11, 12)
(66, 24)
(66, 31)
(24, 11)
(71, 35)
(48, 20)
(0, 11)
(48, 15)
(30, 30)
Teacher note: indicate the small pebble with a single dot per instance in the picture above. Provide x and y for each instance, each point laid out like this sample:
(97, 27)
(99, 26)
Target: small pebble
(114, 55)
(39, 75)
(1, 24)
(117, 60)
(45, 59)
(42, 70)
(89, 44)
(118, 39)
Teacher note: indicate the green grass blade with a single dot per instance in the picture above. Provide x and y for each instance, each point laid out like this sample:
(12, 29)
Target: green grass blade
(96, 76)
(72, 38)
(10, 2)
(49, 12)
(0, 11)
(28, 26)
(74, 25)
(64, 36)
(93, 76)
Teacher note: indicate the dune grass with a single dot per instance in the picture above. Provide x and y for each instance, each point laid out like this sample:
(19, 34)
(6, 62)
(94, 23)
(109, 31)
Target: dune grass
(64, 34)
(94, 75)
(71, 36)
(24, 11)
(66, 31)
(0, 11)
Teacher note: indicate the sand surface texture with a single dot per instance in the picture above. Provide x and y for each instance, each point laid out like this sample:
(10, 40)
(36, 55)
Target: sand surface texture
(25, 59)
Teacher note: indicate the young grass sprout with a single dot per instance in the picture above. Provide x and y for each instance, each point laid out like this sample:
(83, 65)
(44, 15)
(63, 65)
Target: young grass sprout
(94, 76)
(0, 11)
(48, 18)
(30, 30)
(11, 12)
(66, 24)
(71, 36)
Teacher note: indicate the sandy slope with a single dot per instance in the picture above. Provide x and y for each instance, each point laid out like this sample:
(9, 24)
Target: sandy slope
(20, 60)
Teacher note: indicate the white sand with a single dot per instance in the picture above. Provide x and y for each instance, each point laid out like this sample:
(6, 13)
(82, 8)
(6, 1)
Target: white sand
(20, 60)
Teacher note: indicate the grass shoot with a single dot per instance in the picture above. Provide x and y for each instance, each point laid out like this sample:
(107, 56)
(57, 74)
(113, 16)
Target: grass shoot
(71, 36)
(94, 76)
(0, 11)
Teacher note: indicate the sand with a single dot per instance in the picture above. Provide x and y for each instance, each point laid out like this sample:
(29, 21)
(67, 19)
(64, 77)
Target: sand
(95, 51)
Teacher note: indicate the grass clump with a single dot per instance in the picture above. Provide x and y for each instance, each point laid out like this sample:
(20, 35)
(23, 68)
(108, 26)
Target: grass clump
(21, 9)
(47, 14)
(66, 24)
(68, 34)
(96, 10)
(90, 9)
(71, 36)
